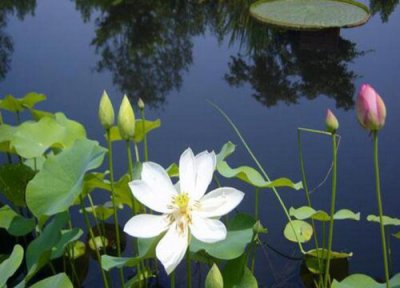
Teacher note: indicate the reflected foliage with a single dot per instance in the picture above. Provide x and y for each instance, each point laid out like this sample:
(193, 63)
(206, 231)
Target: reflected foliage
(384, 7)
(147, 45)
(19, 8)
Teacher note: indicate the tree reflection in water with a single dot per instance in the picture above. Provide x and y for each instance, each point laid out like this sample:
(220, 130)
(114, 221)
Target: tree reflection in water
(19, 8)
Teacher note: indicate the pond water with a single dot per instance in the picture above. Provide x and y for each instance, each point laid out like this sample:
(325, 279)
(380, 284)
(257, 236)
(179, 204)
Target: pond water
(176, 55)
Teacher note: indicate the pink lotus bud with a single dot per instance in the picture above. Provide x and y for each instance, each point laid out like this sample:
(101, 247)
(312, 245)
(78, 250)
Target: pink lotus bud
(371, 111)
(331, 122)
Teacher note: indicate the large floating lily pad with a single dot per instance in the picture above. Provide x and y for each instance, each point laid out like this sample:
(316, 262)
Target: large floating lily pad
(310, 14)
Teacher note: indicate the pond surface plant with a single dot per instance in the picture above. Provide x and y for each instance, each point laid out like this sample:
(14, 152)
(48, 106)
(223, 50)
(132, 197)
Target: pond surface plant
(54, 175)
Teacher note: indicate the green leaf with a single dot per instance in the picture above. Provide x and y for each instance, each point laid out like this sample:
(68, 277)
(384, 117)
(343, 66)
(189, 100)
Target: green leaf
(310, 14)
(67, 236)
(306, 212)
(345, 214)
(31, 99)
(302, 229)
(146, 250)
(32, 139)
(364, 281)
(249, 174)
(13, 181)
(139, 134)
(6, 134)
(60, 280)
(240, 233)
(173, 170)
(60, 181)
(214, 278)
(39, 251)
(14, 223)
(237, 275)
(12, 104)
(386, 220)
(9, 266)
(139, 279)
(39, 114)
(396, 235)
(313, 264)
(101, 212)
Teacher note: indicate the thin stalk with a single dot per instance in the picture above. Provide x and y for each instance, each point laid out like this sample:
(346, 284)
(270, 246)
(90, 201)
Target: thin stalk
(130, 169)
(256, 206)
(307, 193)
(100, 228)
(315, 131)
(146, 152)
(115, 214)
(86, 218)
(379, 200)
(70, 254)
(389, 249)
(281, 203)
(333, 202)
(137, 153)
(188, 270)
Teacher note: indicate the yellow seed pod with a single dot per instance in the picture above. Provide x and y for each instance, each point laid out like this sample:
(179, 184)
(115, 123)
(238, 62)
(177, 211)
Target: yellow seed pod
(106, 111)
(126, 119)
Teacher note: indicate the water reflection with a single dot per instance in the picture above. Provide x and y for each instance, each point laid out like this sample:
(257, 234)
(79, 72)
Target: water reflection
(286, 65)
(19, 8)
(147, 45)
(384, 7)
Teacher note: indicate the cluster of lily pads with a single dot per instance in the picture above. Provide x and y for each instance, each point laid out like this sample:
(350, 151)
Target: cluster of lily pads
(53, 174)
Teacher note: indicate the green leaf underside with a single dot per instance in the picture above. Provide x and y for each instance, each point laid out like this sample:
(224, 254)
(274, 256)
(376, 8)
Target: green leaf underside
(302, 229)
(60, 181)
(306, 212)
(13, 181)
(146, 250)
(240, 233)
(10, 265)
(14, 223)
(310, 14)
(139, 134)
(248, 174)
(214, 278)
(364, 281)
(386, 220)
(60, 280)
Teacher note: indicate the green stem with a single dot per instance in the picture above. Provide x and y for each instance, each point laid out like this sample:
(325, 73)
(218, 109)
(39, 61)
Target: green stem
(315, 131)
(115, 214)
(130, 169)
(256, 208)
(146, 152)
(333, 202)
(103, 275)
(378, 196)
(307, 193)
(172, 280)
(137, 153)
(278, 197)
(188, 270)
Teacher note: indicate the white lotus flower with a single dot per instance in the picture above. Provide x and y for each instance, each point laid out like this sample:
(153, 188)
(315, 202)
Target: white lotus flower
(186, 209)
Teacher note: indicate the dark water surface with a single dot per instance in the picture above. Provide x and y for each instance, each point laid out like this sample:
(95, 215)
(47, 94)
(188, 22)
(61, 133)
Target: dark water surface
(177, 54)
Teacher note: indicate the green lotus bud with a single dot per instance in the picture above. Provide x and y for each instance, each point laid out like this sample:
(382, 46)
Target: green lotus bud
(126, 119)
(140, 104)
(331, 122)
(106, 111)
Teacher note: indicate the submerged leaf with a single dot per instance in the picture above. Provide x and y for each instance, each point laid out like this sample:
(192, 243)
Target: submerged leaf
(60, 181)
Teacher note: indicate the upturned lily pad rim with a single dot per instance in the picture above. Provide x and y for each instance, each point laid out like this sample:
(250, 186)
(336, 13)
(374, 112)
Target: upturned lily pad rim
(298, 27)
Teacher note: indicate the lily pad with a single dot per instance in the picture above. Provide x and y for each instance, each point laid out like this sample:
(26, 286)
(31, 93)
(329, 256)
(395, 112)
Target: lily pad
(310, 14)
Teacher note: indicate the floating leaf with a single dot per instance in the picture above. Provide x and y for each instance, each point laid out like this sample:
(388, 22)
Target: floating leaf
(139, 134)
(249, 174)
(310, 14)
(60, 181)
(298, 230)
(364, 281)
(60, 280)
(386, 220)
(14, 223)
(101, 212)
(306, 212)
(13, 181)
(240, 233)
(214, 278)
(10, 265)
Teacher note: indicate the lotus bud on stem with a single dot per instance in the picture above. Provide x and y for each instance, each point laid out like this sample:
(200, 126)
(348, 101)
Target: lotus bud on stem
(371, 113)
(106, 111)
(126, 119)
(331, 122)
